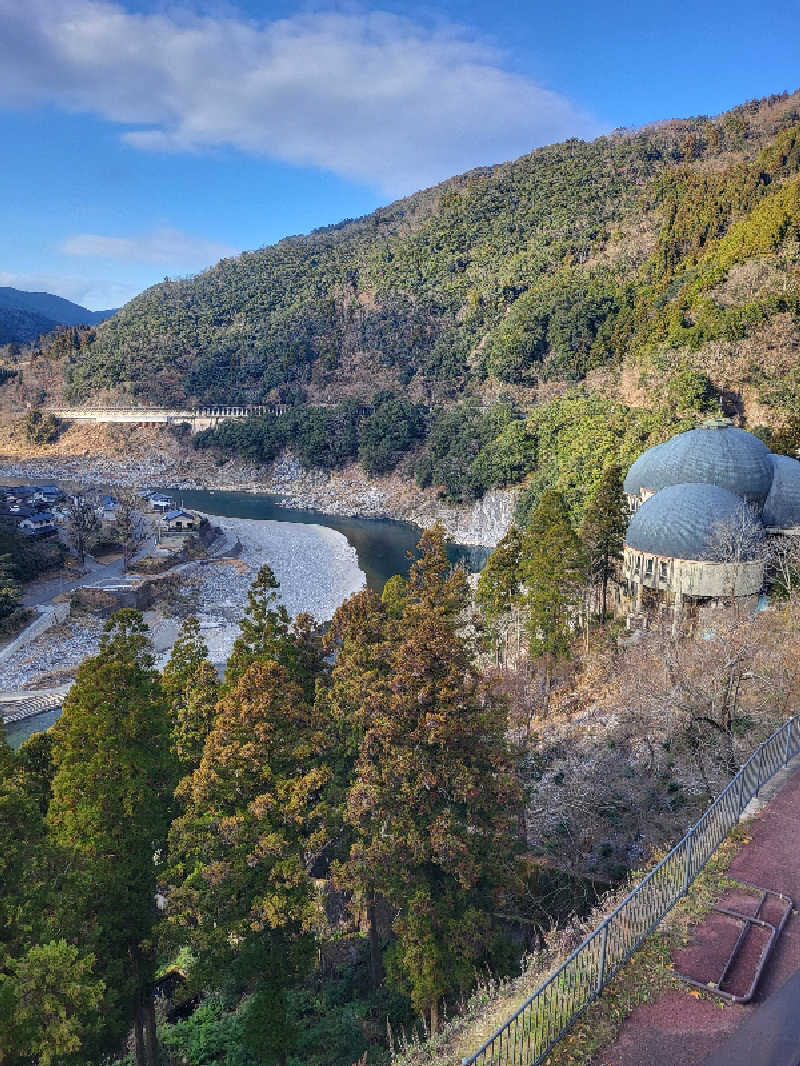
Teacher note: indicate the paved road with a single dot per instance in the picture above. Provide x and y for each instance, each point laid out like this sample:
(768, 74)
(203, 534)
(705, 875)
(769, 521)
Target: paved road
(96, 574)
(676, 1029)
(770, 1036)
(46, 588)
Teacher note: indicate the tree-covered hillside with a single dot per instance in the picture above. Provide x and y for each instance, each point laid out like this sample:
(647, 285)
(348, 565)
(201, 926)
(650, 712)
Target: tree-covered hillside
(25, 316)
(577, 256)
(18, 326)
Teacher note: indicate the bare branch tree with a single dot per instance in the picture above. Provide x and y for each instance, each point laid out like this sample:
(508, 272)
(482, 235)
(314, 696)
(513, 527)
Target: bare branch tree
(783, 563)
(128, 524)
(82, 524)
(739, 537)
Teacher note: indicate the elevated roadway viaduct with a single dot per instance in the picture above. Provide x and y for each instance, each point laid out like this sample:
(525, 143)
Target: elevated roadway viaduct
(198, 418)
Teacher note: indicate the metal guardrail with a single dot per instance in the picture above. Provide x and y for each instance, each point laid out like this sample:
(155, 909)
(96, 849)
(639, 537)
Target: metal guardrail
(533, 1030)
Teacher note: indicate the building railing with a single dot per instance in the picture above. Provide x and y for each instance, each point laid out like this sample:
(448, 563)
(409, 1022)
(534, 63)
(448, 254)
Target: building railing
(533, 1030)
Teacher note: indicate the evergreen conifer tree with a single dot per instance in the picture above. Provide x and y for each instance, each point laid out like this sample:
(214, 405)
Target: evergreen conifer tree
(188, 653)
(603, 530)
(499, 581)
(10, 593)
(359, 632)
(434, 801)
(553, 572)
(110, 809)
(264, 629)
(254, 823)
(49, 992)
(190, 685)
(194, 717)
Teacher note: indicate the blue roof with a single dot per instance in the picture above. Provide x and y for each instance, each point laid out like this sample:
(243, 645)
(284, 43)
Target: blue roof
(721, 455)
(178, 514)
(782, 509)
(678, 522)
(42, 516)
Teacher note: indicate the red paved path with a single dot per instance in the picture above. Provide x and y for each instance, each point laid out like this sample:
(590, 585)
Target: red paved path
(678, 1030)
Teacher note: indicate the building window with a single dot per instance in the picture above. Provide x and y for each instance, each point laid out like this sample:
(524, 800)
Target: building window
(636, 562)
(648, 569)
(663, 571)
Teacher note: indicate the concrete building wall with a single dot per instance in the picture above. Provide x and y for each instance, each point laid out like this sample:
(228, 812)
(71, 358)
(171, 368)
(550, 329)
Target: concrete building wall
(197, 418)
(673, 580)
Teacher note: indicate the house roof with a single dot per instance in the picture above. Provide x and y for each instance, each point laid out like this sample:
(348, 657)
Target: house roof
(179, 513)
(678, 522)
(714, 454)
(41, 516)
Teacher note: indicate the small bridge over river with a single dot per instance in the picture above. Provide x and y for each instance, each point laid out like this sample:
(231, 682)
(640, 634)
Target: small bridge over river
(197, 418)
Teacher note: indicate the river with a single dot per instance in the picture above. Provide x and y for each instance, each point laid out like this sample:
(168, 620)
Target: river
(384, 548)
(382, 545)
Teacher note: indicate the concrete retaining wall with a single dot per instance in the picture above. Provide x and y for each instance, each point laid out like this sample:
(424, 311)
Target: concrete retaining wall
(48, 615)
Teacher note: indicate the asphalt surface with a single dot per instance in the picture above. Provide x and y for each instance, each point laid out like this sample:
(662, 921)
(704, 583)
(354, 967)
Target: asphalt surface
(770, 1036)
(679, 1029)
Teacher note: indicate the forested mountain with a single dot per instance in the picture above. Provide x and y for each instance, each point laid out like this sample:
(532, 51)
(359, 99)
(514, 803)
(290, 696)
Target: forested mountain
(645, 246)
(24, 316)
(533, 321)
(64, 312)
(22, 327)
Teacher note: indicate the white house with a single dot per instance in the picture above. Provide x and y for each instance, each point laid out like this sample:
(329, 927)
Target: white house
(37, 523)
(160, 502)
(180, 521)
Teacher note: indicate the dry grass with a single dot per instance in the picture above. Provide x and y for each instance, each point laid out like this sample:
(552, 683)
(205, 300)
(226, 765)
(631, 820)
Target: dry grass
(642, 978)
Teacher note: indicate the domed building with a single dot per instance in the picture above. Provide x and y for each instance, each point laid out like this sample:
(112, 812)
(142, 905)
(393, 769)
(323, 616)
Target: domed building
(715, 453)
(702, 505)
(782, 509)
(680, 545)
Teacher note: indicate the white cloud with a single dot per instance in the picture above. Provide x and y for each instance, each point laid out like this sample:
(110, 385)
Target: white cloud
(167, 246)
(94, 294)
(368, 95)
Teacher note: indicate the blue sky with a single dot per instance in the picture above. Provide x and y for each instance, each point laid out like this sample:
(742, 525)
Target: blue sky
(150, 139)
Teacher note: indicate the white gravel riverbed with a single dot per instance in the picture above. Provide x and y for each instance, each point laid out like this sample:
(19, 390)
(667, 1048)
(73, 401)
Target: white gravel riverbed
(317, 569)
(51, 658)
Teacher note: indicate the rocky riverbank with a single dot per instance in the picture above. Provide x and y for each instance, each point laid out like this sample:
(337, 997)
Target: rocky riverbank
(316, 567)
(146, 456)
(53, 657)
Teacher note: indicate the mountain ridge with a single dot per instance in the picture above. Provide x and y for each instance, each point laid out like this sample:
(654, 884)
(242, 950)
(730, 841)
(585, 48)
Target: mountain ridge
(26, 315)
(466, 282)
(517, 323)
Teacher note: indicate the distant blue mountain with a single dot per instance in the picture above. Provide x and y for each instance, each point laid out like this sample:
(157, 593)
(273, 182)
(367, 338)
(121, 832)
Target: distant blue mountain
(62, 312)
(24, 316)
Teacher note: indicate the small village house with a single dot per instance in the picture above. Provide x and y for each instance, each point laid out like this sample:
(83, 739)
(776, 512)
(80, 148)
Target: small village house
(38, 523)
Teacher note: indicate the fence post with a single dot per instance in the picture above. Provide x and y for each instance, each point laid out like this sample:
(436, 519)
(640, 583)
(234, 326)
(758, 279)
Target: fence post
(603, 951)
(687, 871)
(741, 792)
(760, 766)
(788, 741)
